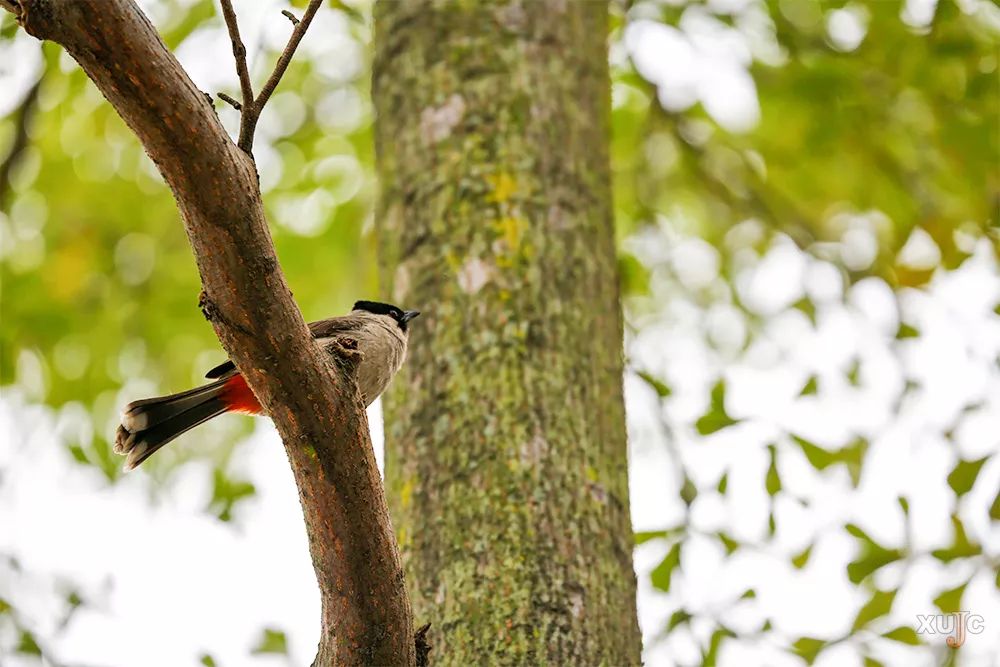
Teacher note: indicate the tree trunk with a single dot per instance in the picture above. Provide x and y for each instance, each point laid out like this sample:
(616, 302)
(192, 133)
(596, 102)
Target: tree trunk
(505, 433)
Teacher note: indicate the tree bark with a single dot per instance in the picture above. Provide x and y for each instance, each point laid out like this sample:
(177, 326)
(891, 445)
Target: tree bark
(505, 433)
(365, 611)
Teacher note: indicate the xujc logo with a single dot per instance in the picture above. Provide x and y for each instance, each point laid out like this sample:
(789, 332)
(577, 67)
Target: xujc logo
(956, 626)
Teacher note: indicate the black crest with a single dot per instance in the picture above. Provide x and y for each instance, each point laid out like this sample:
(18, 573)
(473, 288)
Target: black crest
(379, 308)
(392, 311)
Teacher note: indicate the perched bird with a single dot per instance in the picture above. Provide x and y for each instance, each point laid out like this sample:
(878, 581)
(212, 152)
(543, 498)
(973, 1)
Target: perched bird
(379, 330)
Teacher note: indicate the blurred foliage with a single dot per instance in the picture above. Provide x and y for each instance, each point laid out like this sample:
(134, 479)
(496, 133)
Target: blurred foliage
(871, 141)
(865, 133)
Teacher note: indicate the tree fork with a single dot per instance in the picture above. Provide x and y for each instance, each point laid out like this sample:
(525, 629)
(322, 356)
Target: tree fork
(366, 616)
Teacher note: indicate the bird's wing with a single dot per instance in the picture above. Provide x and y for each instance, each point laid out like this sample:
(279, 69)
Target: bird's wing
(320, 329)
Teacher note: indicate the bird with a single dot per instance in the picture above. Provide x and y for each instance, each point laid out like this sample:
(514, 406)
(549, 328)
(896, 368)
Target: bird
(379, 331)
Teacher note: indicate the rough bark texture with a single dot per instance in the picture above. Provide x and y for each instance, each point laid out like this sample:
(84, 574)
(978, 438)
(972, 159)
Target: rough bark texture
(366, 614)
(506, 449)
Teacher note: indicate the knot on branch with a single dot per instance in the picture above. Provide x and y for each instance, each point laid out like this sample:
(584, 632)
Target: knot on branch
(422, 645)
(214, 315)
(208, 308)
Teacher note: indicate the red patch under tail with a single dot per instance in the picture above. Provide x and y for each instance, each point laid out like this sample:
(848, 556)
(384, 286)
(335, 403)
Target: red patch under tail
(238, 397)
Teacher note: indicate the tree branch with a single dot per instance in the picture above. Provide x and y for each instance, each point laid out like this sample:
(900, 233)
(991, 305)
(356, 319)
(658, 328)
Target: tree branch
(286, 56)
(240, 56)
(252, 108)
(366, 616)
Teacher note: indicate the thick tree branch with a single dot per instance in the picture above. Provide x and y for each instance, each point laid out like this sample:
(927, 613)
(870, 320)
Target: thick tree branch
(365, 611)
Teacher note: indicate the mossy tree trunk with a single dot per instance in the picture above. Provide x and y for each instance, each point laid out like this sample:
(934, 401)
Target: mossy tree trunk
(506, 451)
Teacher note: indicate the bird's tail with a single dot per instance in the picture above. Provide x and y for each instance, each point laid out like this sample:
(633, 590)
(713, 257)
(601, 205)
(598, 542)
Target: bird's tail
(151, 423)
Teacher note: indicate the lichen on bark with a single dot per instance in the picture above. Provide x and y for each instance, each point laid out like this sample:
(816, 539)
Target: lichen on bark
(505, 434)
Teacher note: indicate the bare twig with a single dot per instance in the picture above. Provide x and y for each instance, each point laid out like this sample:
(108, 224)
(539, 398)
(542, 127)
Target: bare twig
(11, 6)
(240, 55)
(226, 98)
(286, 55)
(252, 107)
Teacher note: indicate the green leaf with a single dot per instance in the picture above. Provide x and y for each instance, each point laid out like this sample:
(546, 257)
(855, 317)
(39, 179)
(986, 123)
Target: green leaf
(871, 556)
(716, 418)
(818, 457)
(226, 492)
(271, 641)
(207, 660)
(749, 594)
(903, 634)
(78, 454)
(723, 483)
(810, 388)
(661, 389)
(809, 648)
(711, 657)
(772, 481)
(660, 575)
(961, 547)
(688, 491)
(853, 373)
(729, 543)
(879, 604)
(906, 331)
(950, 601)
(678, 617)
(904, 504)
(853, 456)
(644, 536)
(27, 644)
(807, 307)
(799, 560)
(963, 476)
(995, 508)
(633, 274)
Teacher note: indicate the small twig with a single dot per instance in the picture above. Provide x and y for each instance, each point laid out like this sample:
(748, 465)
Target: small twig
(251, 107)
(11, 6)
(240, 54)
(286, 55)
(226, 98)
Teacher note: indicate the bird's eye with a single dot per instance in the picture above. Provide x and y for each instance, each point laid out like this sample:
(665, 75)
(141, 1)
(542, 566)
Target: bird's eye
(397, 314)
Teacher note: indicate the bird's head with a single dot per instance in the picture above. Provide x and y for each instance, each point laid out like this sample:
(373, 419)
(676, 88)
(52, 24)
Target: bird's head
(402, 317)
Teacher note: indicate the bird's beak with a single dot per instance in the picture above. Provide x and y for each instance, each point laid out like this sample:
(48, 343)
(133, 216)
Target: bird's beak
(408, 315)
